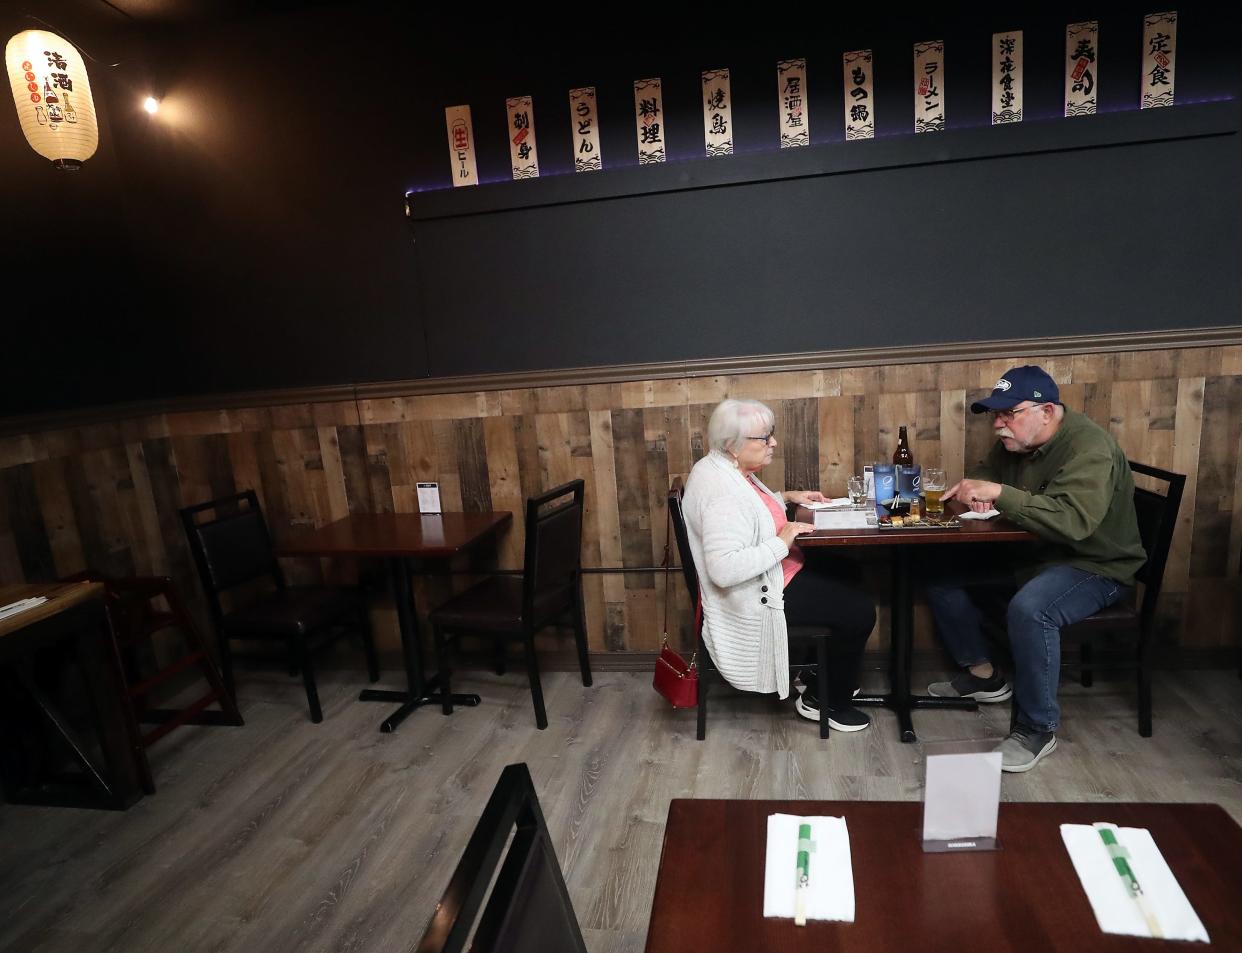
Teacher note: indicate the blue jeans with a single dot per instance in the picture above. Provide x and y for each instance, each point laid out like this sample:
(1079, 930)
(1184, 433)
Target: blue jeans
(1058, 596)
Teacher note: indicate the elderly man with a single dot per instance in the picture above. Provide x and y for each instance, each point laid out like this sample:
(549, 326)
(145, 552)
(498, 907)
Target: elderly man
(1059, 475)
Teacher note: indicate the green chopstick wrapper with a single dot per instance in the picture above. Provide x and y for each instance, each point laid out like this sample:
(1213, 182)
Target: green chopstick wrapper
(1121, 860)
(805, 846)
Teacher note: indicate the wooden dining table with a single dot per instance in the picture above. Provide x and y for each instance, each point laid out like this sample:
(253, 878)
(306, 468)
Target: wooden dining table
(406, 542)
(1023, 898)
(902, 543)
(106, 750)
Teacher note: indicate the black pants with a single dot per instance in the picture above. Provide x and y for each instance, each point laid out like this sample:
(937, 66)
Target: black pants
(826, 594)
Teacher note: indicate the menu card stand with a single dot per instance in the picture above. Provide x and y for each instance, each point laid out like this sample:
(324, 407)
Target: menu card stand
(961, 797)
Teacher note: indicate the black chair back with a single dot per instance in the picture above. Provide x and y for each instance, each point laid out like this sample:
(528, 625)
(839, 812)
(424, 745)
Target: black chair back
(1157, 519)
(232, 546)
(529, 910)
(706, 663)
(553, 544)
(678, 519)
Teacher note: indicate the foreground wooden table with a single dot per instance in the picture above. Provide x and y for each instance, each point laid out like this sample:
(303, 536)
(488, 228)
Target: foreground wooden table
(1024, 897)
(902, 545)
(403, 540)
(111, 764)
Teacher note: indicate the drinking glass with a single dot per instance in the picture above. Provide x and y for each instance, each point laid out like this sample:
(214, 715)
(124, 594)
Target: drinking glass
(933, 488)
(858, 495)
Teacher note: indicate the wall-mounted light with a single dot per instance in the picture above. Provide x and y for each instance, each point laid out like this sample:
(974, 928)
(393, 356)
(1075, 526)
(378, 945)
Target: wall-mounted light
(151, 105)
(53, 97)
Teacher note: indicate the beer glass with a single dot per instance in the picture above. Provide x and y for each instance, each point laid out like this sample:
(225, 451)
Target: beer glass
(933, 488)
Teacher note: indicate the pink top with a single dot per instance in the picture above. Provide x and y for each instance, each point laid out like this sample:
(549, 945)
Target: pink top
(793, 562)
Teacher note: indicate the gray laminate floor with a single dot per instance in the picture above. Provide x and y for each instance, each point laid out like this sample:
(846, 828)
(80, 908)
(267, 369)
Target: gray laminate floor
(288, 836)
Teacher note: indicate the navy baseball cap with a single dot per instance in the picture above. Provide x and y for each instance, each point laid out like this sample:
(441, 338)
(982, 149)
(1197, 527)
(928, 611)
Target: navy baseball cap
(1028, 382)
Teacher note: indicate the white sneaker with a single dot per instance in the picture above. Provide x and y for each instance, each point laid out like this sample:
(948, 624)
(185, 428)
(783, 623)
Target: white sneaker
(839, 719)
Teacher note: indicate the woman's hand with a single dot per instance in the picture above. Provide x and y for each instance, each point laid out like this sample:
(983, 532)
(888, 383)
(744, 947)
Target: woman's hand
(790, 530)
(802, 497)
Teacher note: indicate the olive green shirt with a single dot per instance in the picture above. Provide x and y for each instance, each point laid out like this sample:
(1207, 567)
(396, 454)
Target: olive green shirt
(1076, 494)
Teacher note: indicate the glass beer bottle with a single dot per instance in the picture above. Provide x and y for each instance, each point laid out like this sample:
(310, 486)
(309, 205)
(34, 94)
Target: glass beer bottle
(902, 456)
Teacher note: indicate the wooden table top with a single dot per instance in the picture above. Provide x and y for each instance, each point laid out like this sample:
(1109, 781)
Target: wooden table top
(60, 596)
(395, 534)
(1024, 897)
(996, 530)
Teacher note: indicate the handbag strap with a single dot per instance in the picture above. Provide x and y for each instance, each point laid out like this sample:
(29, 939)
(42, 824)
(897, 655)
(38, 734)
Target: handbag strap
(667, 565)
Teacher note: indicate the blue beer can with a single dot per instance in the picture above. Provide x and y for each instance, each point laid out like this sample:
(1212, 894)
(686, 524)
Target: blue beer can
(885, 487)
(909, 482)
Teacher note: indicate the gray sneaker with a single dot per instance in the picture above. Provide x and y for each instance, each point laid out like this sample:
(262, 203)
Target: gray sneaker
(1025, 747)
(966, 685)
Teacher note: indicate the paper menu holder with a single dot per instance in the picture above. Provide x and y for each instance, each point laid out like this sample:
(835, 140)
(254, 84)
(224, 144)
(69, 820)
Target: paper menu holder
(428, 497)
(961, 796)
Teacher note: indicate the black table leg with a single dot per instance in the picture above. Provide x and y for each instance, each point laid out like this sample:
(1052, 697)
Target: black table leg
(419, 690)
(901, 634)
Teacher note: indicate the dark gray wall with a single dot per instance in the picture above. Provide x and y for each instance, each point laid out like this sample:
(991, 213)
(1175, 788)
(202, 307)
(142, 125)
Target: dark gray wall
(1127, 238)
(260, 242)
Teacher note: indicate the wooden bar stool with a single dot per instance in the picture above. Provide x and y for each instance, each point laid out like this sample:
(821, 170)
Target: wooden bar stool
(137, 615)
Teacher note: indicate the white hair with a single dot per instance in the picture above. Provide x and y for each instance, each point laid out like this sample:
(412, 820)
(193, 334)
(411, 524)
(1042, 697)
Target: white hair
(734, 420)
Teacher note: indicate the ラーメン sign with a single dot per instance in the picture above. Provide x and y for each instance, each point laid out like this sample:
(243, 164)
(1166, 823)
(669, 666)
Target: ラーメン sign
(53, 97)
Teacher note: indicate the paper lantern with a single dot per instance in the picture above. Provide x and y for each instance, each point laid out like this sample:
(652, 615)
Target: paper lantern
(53, 97)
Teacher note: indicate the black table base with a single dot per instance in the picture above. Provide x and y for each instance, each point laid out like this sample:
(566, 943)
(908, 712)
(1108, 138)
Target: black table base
(410, 702)
(898, 698)
(904, 704)
(420, 690)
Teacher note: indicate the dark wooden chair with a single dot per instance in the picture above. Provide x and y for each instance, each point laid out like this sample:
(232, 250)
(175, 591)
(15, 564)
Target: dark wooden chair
(706, 665)
(1131, 621)
(515, 607)
(233, 550)
(528, 910)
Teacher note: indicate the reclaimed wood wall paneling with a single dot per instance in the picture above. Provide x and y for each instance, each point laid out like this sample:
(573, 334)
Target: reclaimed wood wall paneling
(106, 495)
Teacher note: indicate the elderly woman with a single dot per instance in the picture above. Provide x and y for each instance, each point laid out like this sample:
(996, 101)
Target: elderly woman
(753, 577)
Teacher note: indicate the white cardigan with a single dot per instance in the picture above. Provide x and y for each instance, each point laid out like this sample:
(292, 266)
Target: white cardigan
(738, 557)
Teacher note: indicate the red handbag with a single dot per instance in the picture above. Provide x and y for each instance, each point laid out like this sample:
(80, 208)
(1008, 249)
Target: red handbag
(675, 678)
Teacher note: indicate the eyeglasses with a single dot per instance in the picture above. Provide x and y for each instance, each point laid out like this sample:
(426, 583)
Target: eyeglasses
(766, 438)
(1007, 415)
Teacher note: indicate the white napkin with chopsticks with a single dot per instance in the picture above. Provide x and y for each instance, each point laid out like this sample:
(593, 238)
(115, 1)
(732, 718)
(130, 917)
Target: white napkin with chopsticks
(13, 608)
(972, 515)
(837, 502)
(830, 879)
(1115, 910)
